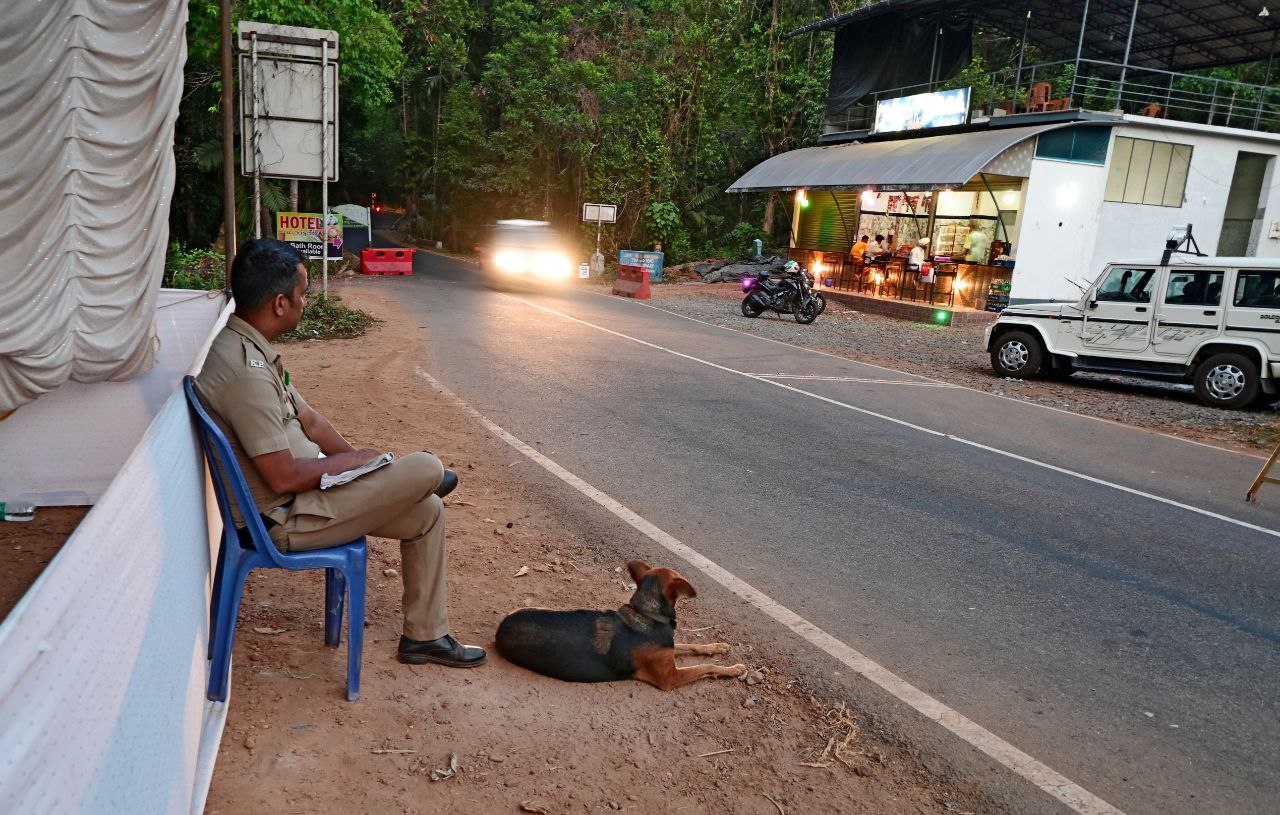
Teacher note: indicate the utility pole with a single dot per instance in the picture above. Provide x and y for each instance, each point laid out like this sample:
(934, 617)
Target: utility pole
(228, 150)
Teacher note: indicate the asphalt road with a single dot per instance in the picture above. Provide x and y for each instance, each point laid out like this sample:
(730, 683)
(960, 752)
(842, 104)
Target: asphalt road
(977, 547)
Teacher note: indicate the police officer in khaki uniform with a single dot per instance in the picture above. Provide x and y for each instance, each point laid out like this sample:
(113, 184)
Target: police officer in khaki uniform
(278, 438)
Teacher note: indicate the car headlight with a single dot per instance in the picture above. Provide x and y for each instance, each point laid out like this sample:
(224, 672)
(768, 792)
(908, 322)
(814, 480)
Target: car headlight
(551, 265)
(510, 261)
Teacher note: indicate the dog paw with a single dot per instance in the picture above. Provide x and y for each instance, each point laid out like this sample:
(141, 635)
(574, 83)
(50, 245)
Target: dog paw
(718, 648)
(738, 670)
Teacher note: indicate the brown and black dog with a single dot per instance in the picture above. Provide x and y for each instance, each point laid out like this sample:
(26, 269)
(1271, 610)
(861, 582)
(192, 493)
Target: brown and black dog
(635, 642)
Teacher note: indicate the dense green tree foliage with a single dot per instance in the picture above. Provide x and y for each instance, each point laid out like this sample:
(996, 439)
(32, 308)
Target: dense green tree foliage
(463, 111)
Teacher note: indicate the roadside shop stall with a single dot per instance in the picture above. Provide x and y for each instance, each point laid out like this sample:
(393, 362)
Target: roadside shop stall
(961, 192)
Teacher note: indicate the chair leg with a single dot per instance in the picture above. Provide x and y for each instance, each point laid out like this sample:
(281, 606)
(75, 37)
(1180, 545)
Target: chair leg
(355, 626)
(334, 591)
(228, 611)
(219, 570)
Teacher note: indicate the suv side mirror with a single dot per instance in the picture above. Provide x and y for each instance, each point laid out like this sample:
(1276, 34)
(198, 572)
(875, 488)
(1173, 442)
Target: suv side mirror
(1093, 301)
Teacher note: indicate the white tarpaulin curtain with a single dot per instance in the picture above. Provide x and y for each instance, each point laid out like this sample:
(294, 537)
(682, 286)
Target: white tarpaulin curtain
(89, 93)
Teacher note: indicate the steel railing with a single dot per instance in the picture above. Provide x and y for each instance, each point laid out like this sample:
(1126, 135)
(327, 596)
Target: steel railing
(1096, 86)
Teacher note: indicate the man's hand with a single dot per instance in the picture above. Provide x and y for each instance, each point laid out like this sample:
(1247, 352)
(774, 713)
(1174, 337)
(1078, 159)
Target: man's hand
(285, 474)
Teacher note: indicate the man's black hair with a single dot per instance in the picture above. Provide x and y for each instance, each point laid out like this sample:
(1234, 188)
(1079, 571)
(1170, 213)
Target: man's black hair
(864, 237)
(879, 237)
(263, 268)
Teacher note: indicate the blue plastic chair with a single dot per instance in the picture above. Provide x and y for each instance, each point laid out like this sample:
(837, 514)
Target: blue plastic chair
(252, 548)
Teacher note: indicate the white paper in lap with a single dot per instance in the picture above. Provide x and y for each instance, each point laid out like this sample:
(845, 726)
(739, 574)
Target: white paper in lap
(89, 93)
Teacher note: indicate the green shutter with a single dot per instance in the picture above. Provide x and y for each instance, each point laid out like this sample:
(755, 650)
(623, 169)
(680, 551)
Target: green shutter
(830, 222)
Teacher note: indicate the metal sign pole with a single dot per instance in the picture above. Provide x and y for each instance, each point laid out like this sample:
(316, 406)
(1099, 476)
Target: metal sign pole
(253, 138)
(228, 151)
(324, 165)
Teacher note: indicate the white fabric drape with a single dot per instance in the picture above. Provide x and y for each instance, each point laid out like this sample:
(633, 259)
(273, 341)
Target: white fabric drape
(89, 93)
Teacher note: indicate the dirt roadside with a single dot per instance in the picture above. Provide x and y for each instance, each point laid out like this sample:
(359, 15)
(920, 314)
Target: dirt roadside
(783, 744)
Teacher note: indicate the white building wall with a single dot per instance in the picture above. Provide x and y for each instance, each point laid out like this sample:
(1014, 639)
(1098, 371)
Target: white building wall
(1068, 230)
(1057, 229)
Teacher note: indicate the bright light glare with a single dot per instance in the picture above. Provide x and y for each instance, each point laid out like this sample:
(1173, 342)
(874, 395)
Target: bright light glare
(511, 261)
(551, 266)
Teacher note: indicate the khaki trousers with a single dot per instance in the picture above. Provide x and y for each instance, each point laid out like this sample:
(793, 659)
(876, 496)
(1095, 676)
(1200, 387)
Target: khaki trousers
(395, 501)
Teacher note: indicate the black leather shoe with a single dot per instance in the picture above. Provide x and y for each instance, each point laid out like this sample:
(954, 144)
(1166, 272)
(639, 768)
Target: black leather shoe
(444, 651)
(448, 484)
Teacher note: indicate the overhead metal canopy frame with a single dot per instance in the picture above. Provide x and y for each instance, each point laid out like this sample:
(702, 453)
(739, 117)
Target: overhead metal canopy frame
(1170, 35)
(924, 163)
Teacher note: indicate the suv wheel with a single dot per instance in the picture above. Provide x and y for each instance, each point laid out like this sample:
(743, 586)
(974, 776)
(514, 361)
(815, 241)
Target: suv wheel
(1017, 355)
(1227, 381)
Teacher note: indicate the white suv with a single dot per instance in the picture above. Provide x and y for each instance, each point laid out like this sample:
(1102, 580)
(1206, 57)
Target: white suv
(1214, 322)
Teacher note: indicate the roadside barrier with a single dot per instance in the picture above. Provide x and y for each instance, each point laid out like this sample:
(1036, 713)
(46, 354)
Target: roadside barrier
(386, 261)
(632, 281)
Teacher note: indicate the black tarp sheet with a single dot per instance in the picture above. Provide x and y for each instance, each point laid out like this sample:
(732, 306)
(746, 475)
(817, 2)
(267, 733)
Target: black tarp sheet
(894, 52)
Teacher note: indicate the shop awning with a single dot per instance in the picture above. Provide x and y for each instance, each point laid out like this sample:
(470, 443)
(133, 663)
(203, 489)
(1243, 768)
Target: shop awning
(922, 163)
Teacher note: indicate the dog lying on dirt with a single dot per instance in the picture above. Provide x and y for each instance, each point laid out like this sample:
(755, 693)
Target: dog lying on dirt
(635, 642)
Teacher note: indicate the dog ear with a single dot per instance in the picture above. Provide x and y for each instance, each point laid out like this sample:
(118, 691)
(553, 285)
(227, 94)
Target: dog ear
(638, 569)
(678, 587)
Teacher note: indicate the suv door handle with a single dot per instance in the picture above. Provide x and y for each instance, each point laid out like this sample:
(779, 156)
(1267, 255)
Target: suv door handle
(1211, 313)
(1140, 308)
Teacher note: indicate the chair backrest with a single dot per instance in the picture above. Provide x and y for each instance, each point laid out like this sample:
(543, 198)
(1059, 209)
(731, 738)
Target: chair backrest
(225, 473)
(1040, 93)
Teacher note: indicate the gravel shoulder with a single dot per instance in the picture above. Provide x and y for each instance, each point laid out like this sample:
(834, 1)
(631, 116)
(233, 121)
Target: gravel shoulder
(954, 354)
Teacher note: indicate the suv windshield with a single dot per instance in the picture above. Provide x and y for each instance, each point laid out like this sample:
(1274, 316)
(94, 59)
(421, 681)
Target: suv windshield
(1126, 285)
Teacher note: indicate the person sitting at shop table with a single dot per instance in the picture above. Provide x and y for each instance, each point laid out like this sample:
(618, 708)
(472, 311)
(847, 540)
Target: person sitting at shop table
(874, 249)
(859, 250)
(917, 257)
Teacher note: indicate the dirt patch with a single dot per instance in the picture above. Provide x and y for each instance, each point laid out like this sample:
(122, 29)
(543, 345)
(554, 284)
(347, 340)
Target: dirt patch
(519, 741)
(28, 546)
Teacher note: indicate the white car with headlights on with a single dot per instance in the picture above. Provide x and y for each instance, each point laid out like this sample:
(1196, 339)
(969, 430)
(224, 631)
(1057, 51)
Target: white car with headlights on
(521, 253)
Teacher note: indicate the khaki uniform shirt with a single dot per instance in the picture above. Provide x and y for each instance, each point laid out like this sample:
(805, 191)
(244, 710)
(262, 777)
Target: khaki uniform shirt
(243, 383)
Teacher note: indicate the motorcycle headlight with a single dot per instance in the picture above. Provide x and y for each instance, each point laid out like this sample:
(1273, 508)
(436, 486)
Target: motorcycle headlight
(747, 283)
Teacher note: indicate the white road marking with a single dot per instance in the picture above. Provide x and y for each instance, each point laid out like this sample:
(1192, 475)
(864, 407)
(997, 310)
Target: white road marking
(926, 430)
(921, 383)
(1043, 776)
(963, 387)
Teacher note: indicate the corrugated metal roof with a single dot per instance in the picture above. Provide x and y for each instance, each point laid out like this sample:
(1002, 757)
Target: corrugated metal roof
(927, 162)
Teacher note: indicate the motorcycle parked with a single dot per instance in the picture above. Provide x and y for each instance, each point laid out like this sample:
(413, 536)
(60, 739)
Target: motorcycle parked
(791, 294)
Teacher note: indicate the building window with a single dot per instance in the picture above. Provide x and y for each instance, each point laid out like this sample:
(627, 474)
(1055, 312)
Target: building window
(1148, 172)
(1083, 145)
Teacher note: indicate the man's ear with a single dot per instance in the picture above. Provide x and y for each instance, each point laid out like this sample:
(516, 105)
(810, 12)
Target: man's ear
(638, 569)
